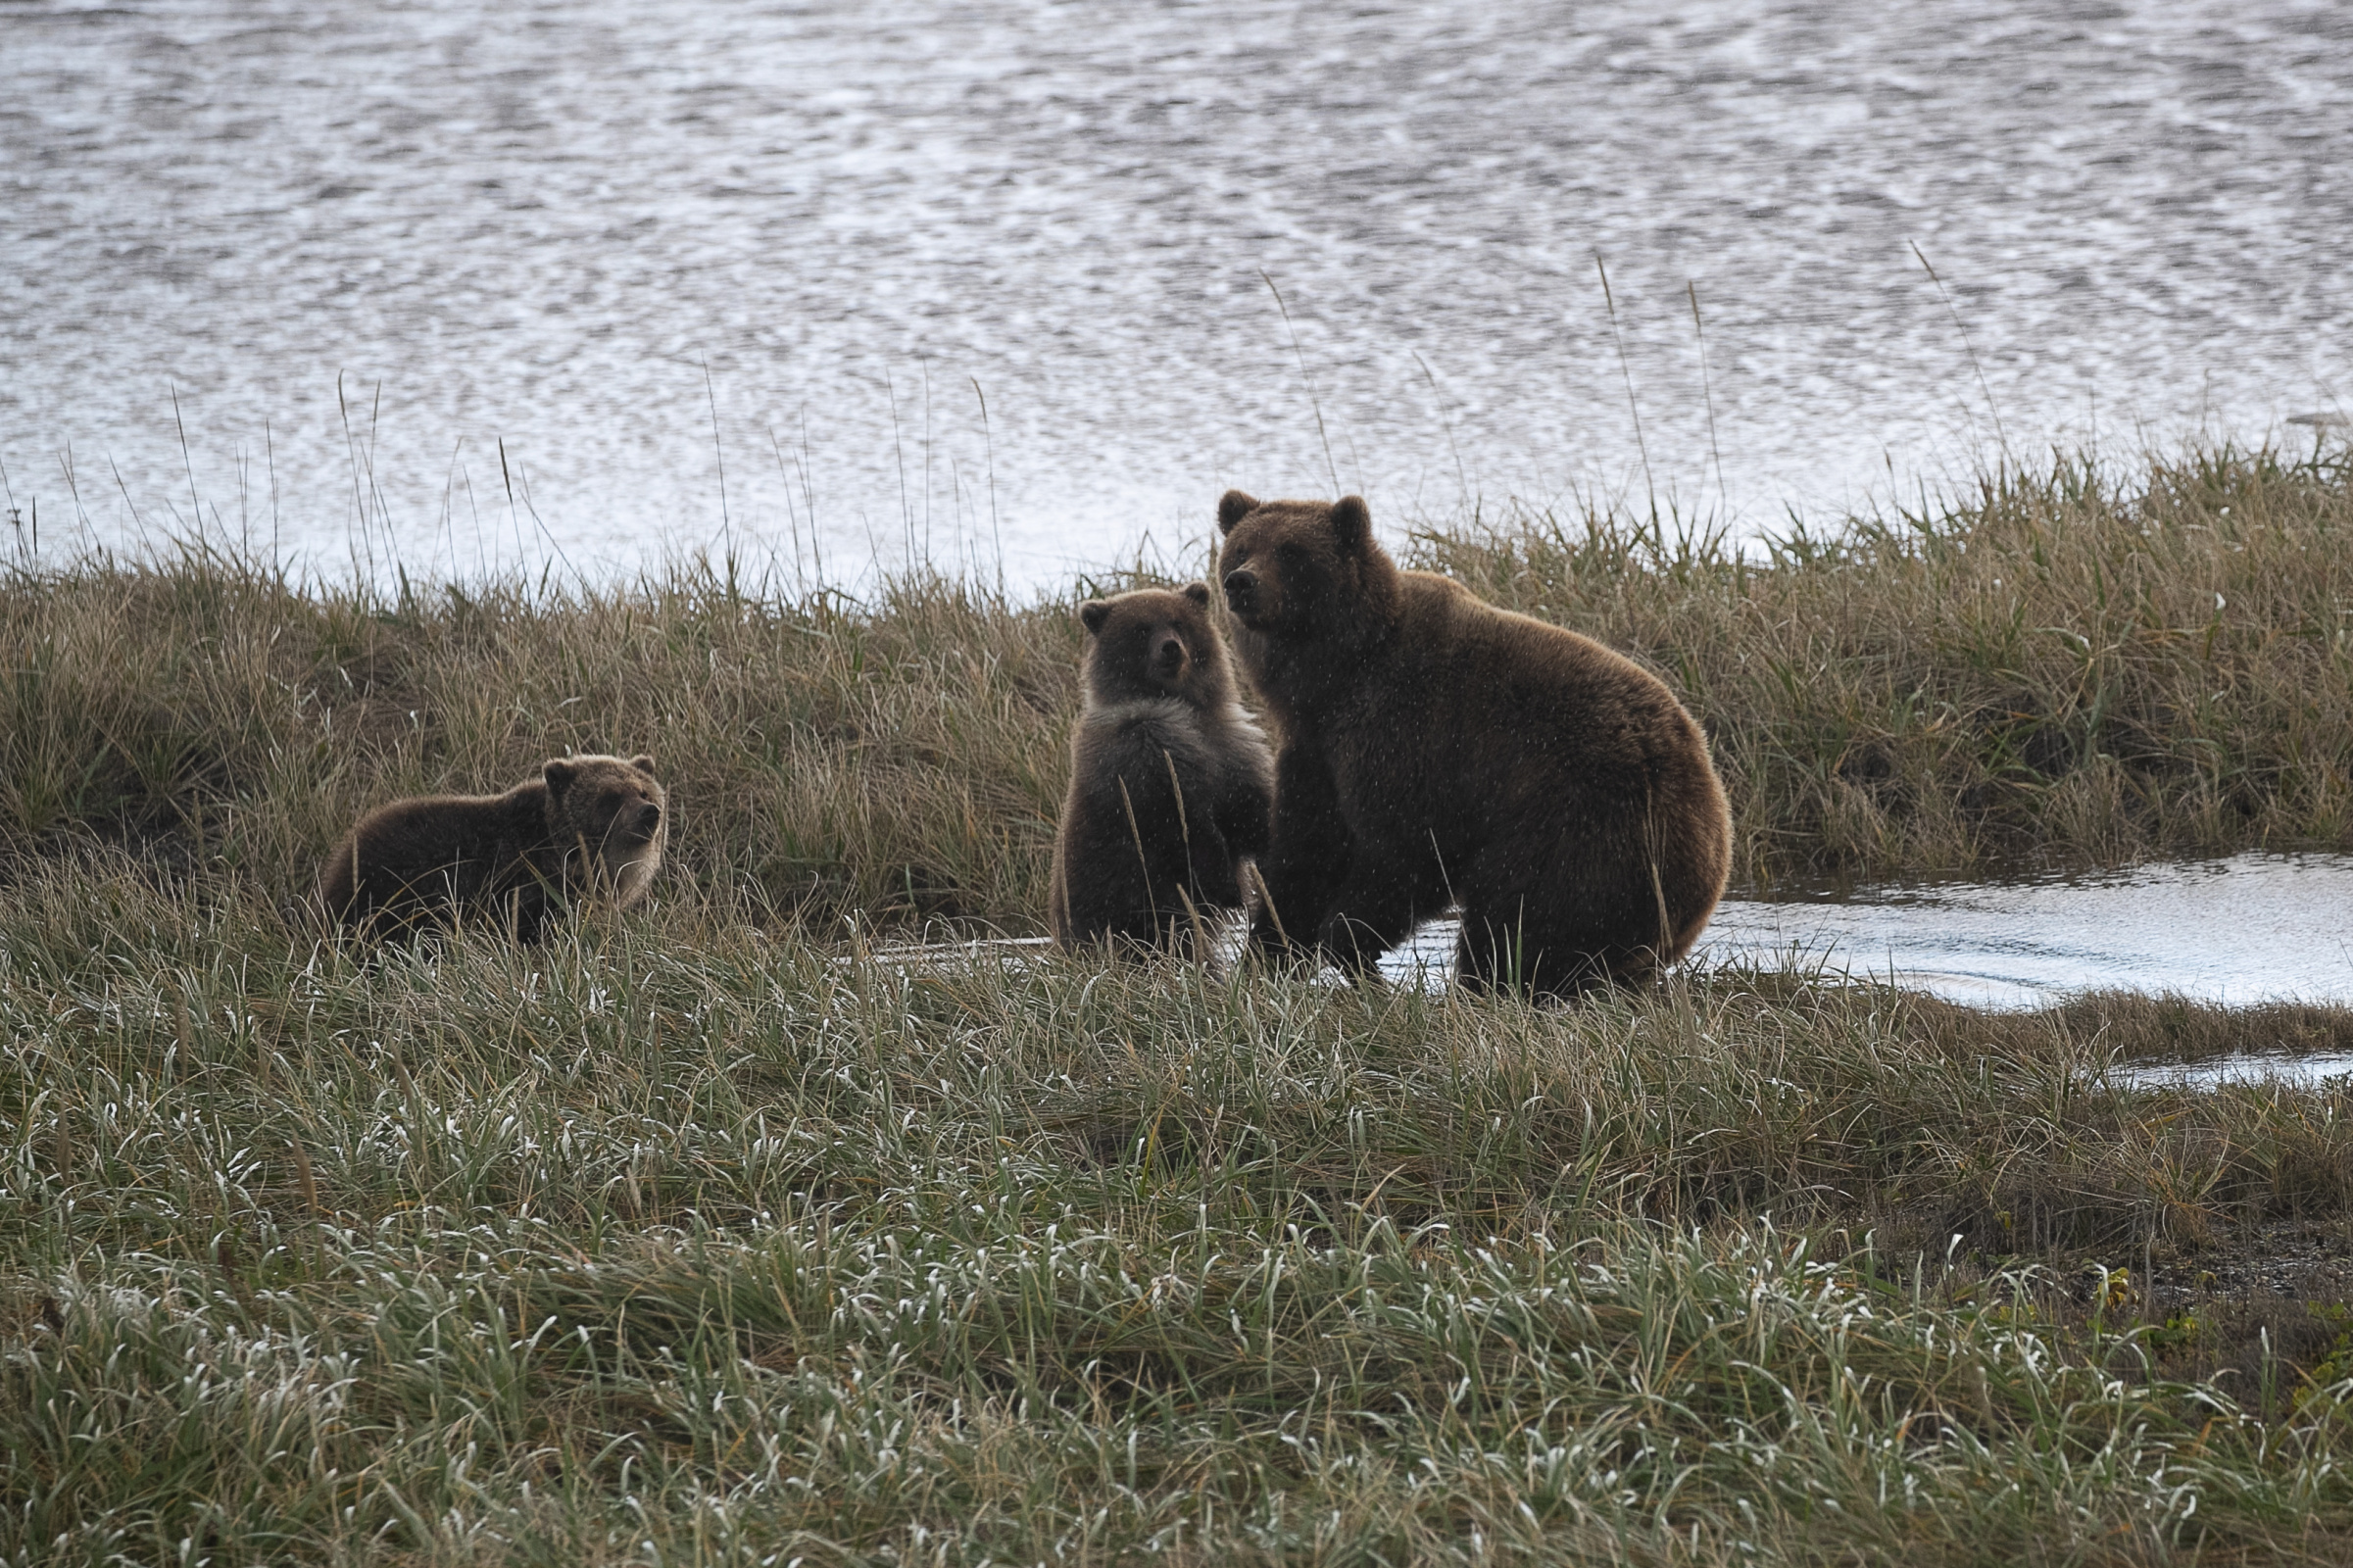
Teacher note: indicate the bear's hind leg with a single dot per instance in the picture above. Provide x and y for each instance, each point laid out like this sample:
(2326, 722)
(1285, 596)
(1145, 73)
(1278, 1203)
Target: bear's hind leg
(1505, 951)
(1375, 908)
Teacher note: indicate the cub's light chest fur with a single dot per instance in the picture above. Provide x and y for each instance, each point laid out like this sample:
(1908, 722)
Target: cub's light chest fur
(1170, 780)
(1188, 734)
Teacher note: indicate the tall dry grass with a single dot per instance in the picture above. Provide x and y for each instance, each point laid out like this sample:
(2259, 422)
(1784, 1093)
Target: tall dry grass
(879, 762)
(2065, 665)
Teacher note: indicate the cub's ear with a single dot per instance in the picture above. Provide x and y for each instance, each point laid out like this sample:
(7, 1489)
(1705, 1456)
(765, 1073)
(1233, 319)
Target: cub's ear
(1232, 507)
(643, 762)
(1197, 592)
(1093, 613)
(560, 774)
(1351, 522)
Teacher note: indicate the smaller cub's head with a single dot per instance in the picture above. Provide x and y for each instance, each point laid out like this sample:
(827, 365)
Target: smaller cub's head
(617, 810)
(1293, 566)
(1154, 643)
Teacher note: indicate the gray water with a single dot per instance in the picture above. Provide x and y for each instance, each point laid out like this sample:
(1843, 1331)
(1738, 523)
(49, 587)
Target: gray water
(2248, 929)
(2253, 928)
(583, 284)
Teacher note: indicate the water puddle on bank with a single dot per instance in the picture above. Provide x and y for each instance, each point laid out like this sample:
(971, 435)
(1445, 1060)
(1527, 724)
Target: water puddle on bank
(2253, 928)
(2315, 1071)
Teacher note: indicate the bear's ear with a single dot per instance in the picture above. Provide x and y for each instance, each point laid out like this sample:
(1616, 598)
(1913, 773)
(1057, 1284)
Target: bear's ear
(643, 762)
(1232, 507)
(1351, 522)
(1093, 613)
(560, 775)
(1197, 592)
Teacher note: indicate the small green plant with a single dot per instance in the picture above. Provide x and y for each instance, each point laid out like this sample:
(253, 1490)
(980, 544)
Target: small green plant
(2327, 1380)
(2178, 1335)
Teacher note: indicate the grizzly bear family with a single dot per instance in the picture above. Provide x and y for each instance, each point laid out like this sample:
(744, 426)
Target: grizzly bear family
(1437, 753)
(586, 825)
(1434, 754)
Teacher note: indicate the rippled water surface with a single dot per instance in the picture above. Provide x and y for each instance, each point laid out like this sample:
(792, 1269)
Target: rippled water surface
(584, 282)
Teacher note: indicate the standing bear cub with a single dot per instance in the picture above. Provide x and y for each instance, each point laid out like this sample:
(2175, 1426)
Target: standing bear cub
(587, 826)
(1170, 782)
(1437, 752)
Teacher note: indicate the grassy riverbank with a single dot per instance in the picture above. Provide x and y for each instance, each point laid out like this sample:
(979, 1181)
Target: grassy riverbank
(703, 1235)
(2061, 669)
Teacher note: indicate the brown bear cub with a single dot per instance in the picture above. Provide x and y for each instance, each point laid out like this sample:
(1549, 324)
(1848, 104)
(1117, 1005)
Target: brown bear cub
(1434, 752)
(586, 826)
(1170, 782)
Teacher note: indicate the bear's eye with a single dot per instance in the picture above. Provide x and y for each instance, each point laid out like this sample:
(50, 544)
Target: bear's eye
(1290, 555)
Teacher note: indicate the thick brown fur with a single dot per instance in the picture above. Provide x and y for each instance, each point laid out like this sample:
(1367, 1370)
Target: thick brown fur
(1171, 781)
(1436, 752)
(592, 826)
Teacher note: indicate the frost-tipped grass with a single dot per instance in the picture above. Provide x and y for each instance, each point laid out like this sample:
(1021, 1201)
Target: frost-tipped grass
(680, 1233)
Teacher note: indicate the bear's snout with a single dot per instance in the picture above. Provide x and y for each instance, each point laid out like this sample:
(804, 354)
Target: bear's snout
(1170, 653)
(1242, 588)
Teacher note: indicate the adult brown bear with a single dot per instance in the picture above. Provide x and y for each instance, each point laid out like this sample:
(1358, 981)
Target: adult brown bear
(1434, 751)
(592, 826)
(1171, 781)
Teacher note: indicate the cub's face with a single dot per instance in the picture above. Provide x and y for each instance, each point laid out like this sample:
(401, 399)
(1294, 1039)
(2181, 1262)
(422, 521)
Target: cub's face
(1152, 642)
(617, 808)
(1281, 562)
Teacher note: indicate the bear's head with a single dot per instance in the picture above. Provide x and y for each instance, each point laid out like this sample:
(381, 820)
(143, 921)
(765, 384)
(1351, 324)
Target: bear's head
(616, 810)
(1154, 643)
(1300, 568)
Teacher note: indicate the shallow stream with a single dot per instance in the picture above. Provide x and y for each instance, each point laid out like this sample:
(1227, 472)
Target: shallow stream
(2251, 928)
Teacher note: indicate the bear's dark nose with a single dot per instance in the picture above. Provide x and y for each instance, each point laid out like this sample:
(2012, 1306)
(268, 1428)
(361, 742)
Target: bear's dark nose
(1172, 652)
(1241, 584)
(649, 817)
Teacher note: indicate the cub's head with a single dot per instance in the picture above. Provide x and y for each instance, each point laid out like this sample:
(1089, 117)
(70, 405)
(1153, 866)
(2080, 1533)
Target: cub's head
(1297, 567)
(618, 811)
(1154, 643)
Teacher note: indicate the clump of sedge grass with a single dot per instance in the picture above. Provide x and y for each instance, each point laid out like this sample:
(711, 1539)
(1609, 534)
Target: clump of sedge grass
(882, 762)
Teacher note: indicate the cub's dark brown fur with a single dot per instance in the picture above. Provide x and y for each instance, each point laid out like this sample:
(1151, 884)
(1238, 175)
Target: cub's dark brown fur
(1170, 782)
(1434, 751)
(586, 826)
